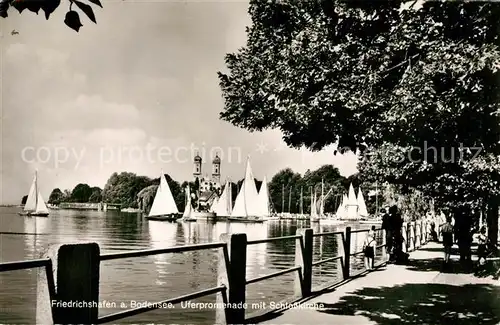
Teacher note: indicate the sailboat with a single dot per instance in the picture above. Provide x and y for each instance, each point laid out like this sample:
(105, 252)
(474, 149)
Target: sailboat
(352, 208)
(35, 205)
(223, 206)
(363, 211)
(263, 202)
(324, 220)
(164, 207)
(246, 208)
(188, 209)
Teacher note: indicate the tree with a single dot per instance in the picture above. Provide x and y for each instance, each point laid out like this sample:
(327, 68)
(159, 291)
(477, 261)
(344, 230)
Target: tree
(123, 188)
(361, 73)
(56, 196)
(72, 18)
(364, 74)
(289, 181)
(81, 193)
(96, 195)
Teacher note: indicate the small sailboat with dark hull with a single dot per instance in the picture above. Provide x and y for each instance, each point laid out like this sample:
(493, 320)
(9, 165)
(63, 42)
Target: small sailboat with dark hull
(35, 205)
(164, 207)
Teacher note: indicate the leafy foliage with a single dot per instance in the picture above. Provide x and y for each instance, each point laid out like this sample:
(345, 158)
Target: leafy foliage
(381, 78)
(56, 196)
(333, 71)
(96, 195)
(123, 188)
(72, 18)
(81, 193)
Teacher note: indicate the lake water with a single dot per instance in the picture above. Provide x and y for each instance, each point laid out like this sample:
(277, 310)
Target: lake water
(159, 277)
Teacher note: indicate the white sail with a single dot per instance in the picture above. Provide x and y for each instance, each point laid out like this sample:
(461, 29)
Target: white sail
(362, 210)
(41, 207)
(341, 209)
(352, 204)
(246, 201)
(188, 208)
(213, 205)
(322, 203)
(164, 202)
(263, 200)
(32, 196)
(223, 207)
(314, 207)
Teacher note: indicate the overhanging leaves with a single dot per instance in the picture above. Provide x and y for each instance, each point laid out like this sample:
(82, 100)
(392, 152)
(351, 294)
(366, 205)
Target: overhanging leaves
(48, 7)
(72, 20)
(86, 9)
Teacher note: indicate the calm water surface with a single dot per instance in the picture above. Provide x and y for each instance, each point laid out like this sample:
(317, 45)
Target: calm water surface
(157, 277)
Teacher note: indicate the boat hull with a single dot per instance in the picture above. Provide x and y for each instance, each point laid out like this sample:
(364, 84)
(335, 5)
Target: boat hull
(331, 222)
(169, 217)
(246, 220)
(371, 222)
(186, 220)
(210, 216)
(34, 214)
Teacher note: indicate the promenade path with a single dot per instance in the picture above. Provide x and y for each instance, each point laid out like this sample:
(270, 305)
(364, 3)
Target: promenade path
(418, 293)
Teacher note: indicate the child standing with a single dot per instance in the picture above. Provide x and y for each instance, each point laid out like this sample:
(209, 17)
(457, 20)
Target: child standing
(481, 248)
(369, 249)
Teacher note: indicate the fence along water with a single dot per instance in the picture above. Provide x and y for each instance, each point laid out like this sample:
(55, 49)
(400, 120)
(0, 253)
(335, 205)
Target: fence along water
(71, 274)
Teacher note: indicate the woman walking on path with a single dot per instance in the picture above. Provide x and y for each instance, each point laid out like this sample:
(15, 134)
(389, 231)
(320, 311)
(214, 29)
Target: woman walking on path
(369, 249)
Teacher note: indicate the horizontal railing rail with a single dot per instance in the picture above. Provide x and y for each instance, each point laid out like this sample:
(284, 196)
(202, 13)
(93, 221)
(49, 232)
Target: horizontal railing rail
(274, 274)
(23, 265)
(150, 252)
(78, 270)
(332, 233)
(272, 239)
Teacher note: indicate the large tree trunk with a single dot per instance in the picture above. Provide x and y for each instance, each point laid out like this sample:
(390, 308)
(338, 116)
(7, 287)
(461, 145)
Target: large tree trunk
(492, 219)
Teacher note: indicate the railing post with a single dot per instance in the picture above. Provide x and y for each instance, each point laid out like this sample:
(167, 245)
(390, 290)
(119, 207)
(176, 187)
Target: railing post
(221, 314)
(77, 284)
(347, 253)
(236, 274)
(304, 258)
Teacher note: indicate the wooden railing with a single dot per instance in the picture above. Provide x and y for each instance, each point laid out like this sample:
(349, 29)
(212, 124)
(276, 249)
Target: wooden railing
(78, 269)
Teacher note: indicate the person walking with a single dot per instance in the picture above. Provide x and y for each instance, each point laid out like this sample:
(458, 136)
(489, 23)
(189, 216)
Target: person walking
(386, 226)
(396, 225)
(447, 234)
(369, 249)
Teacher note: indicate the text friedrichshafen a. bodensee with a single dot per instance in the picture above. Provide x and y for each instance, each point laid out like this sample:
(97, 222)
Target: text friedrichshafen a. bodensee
(183, 305)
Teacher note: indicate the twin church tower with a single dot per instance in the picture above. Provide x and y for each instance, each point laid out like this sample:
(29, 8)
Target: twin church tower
(207, 183)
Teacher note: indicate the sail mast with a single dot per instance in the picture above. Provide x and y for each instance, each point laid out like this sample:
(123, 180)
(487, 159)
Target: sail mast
(290, 200)
(282, 198)
(322, 197)
(36, 189)
(301, 201)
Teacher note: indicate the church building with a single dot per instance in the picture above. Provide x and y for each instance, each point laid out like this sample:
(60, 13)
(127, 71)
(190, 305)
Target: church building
(209, 185)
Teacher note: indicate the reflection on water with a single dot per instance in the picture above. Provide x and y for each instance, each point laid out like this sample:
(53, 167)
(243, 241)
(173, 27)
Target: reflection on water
(157, 277)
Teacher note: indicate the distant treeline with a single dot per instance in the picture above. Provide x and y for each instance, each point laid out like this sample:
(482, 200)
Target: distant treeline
(123, 188)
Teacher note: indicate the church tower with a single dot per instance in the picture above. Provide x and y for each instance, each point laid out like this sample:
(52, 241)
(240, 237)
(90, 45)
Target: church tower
(197, 167)
(216, 170)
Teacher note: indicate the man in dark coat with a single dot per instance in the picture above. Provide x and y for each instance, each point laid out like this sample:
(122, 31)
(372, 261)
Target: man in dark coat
(386, 226)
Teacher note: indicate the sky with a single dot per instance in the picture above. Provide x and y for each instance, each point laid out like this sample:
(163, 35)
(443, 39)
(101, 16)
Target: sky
(136, 92)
